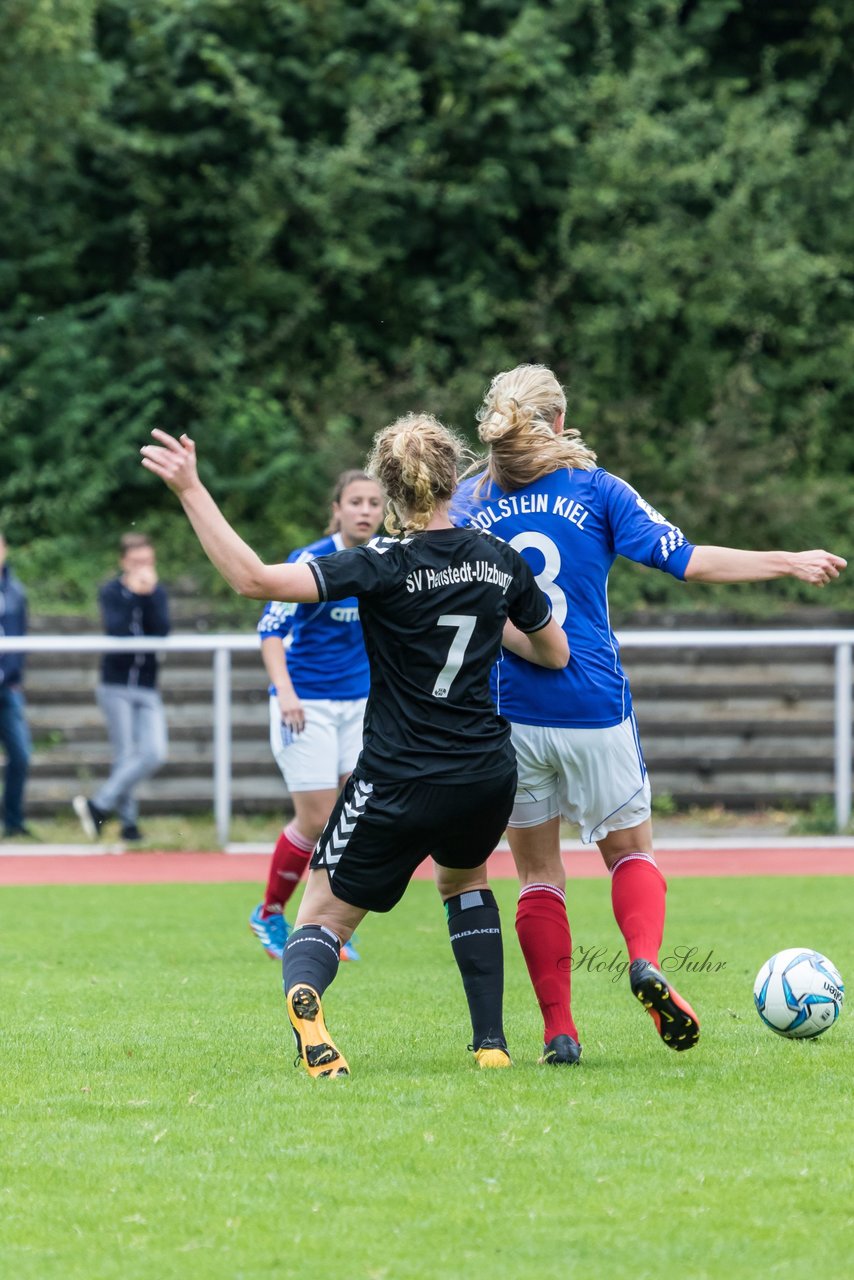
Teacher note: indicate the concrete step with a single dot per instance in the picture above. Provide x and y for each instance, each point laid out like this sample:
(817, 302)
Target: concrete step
(802, 795)
(679, 666)
(749, 710)
(692, 751)
(87, 737)
(797, 722)
(185, 759)
(71, 683)
(81, 718)
(165, 794)
(258, 792)
(59, 660)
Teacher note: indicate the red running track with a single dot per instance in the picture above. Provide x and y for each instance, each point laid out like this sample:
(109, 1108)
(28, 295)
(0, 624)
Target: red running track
(219, 868)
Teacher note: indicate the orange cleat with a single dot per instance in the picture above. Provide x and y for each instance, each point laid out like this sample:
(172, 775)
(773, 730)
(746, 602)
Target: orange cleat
(316, 1051)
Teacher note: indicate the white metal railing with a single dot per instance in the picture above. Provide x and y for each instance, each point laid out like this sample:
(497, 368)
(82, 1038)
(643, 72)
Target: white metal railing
(222, 646)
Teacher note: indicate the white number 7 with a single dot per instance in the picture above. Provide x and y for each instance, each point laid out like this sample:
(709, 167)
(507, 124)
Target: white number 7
(465, 625)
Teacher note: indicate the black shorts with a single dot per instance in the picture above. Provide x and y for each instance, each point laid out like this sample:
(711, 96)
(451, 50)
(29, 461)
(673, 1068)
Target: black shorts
(380, 830)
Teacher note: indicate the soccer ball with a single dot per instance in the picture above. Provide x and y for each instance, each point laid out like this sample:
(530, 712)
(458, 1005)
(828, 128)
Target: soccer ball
(798, 993)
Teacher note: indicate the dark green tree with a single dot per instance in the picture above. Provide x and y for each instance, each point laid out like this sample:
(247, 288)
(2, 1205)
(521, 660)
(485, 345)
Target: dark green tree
(278, 224)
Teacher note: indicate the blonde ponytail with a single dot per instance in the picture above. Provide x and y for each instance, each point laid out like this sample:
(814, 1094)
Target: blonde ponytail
(517, 422)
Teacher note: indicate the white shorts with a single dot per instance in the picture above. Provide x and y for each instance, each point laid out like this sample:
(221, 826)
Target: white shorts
(326, 750)
(593, 777)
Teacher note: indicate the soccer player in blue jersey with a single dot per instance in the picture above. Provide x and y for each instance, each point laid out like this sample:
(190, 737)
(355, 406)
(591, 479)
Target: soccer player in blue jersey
(437, 774)
(315, 658)
(576, 740)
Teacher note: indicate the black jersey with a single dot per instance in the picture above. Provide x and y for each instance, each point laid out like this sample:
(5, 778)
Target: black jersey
(433, 607)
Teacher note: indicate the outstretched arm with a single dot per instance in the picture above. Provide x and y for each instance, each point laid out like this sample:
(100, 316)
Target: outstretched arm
(547, 647)
(728, 564)
(174, 461)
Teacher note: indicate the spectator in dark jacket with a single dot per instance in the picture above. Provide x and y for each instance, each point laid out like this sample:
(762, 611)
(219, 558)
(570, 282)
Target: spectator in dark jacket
(14, 731)
(134, 604)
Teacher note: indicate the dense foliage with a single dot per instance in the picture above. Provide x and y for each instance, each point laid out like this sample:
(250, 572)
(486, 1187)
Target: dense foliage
(279, 223)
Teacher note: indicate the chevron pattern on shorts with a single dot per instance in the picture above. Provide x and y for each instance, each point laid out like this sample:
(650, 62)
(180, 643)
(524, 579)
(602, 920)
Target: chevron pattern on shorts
(346, 824)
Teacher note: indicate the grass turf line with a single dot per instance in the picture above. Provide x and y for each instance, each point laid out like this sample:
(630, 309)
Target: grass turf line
(153, 1125)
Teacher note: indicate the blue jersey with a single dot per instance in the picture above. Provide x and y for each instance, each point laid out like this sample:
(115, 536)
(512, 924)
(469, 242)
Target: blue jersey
(325, 650)
(570, 526)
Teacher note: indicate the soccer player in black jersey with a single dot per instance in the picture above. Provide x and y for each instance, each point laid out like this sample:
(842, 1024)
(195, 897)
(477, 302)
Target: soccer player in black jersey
(437, 772)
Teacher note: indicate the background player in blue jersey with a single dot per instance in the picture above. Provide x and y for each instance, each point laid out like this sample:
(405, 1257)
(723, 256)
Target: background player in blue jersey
(576, 740)
(436, 774)
(319, 678)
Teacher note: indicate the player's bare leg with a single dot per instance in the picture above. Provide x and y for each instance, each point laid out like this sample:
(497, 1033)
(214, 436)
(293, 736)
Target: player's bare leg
(475, 929)
(544, 935)
(288, 864)
(638, 896)
(324, 923)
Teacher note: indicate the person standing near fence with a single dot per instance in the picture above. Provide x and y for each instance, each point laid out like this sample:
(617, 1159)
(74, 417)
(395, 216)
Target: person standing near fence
(14, 730)
(315, 658)
(133, 604)
(574, 730)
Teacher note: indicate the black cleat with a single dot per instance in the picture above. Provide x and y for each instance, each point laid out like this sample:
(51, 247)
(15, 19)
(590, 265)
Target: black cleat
(562, 1051)
(675, 1020)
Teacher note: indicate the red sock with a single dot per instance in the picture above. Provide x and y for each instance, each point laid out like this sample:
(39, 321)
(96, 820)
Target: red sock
(543, 932)
(290, 859)
(637, 895)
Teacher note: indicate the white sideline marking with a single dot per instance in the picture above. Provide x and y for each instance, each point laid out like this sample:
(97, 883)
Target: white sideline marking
(29, 850)
(749, 842)
(701, 843)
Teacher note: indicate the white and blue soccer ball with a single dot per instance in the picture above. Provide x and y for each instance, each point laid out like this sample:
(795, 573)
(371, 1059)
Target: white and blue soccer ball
(798, 993)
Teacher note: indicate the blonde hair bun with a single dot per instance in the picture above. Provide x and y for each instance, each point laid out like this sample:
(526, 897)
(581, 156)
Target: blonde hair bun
(416, 460)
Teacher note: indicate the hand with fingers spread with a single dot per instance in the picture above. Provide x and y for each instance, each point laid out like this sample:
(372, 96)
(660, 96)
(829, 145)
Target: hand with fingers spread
(816, 567)
(173, 460)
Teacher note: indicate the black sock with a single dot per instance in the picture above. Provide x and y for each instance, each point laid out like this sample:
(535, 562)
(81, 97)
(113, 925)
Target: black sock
(311, 956)
(475, 930)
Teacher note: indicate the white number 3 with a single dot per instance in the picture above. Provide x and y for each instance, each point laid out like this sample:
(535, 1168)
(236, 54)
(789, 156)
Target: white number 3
(551, 568)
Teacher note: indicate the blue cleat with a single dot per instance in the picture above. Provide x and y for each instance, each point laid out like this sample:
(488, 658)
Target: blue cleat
(271, 931)
(349, 952)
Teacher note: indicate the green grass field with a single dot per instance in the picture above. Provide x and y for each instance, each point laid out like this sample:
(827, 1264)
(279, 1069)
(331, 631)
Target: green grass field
(153, 1125)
